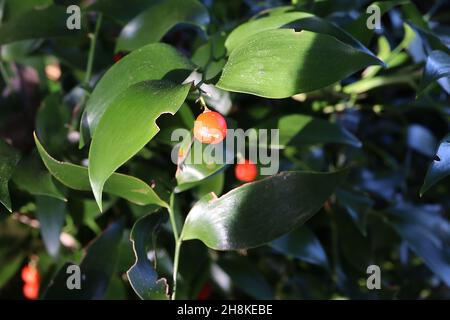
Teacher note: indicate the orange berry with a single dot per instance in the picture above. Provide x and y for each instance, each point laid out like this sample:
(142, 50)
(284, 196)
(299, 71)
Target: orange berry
(246, 171)
(210, 127)
(30, 274)
(31, 290)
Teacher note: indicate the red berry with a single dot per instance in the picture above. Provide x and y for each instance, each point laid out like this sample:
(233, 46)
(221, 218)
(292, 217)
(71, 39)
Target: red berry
(210, 127)
(205, 292)
(118, 56)
(246, 171)
(31, 290)
(30, 274)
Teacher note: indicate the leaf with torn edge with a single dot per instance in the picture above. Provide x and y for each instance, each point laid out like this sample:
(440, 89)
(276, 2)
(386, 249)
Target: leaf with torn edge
(142, 275)
(128, 125)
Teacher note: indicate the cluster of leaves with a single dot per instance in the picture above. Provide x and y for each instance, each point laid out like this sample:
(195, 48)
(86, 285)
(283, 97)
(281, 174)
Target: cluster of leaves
(364, 148)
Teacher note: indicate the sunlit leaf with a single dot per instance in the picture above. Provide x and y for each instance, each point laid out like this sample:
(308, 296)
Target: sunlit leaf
(244, 217)
(289, 20)
(152, 62)
(128, 125)
(282, 63)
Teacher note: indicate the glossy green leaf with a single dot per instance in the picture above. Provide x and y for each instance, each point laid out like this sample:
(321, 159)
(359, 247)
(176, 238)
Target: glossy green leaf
(200, 161)
(190, 173)
(440, 167)
(302, 244)
(121, 11)
(413, 14)
(366, 85)
(395, 57)
(282, 63)
(32, 177)
(15, 8)
(51, 123)
(9, 268)
(153, 23)
(273, 11)
(421, 139)
(193, 273)
(152, 62)
(213, 184)
(259, 212)
(427, 234)
(50, 213)
(142, 275)
(19, 50)
(96, 268)
(37, 23)
(289, 20)
(128, 125)
(9, 158)
(358, 28)
(436, 67)
(210, 57)
(357, 205)
(298, 130)
(246, 277)
(430, 40)
(76, 177)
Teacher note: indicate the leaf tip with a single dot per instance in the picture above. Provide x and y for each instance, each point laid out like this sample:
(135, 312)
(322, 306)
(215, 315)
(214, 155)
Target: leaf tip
(97, 191)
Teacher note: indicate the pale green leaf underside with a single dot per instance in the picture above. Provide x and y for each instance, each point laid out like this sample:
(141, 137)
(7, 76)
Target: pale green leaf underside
(76, 177)
(128, 125)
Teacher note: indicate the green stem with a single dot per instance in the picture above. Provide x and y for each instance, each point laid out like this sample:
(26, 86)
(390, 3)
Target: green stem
(172, 217)
(87, 77)
(178, 242)
(175, 268)
(5, 75)
(93, 44)
(202, 102)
